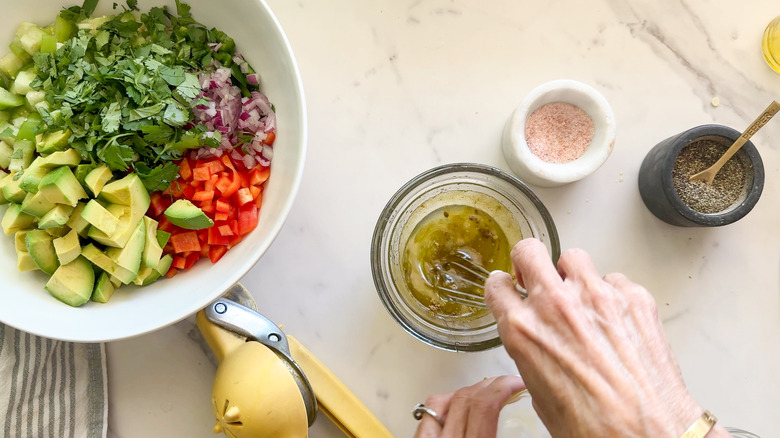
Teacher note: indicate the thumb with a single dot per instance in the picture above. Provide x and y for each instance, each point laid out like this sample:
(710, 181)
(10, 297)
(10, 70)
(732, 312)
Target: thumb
(500, 294)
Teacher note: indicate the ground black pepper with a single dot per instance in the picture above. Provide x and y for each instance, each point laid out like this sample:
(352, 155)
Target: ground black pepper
(728, 186)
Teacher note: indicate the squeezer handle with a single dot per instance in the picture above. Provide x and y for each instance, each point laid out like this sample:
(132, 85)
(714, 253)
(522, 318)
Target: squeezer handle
(334, 400)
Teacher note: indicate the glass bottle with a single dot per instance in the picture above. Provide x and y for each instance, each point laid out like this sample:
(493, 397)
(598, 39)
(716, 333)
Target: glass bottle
(770, 44)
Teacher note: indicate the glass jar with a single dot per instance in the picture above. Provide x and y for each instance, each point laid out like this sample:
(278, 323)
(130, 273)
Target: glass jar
(522, 214)
(770, 44)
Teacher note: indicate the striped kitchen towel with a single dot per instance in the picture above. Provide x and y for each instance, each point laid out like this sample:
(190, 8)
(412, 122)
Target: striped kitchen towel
(51, 388)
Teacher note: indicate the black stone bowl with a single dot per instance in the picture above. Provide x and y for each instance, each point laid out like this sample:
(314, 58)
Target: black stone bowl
(661, 198)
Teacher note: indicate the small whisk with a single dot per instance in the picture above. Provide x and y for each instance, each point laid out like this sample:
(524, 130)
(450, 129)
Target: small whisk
(460, 280)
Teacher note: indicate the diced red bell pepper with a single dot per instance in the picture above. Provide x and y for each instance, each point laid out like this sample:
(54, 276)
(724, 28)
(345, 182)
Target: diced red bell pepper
(215, 166)
(183, 242)
(222, 206)
(259, 175)
(247, 218)
(244, 196)
(178, 262)
(201, 174)
(220, 216)
(215, 238)
(216, 252)
(203, 195)
(158, 204)
(184, 169)
(190, 260)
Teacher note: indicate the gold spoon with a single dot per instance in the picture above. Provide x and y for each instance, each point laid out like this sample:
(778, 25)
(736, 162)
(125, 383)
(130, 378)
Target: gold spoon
(708, 174)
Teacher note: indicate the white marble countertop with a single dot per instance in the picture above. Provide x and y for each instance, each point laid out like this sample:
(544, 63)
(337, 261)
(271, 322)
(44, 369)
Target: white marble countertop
(397, 87)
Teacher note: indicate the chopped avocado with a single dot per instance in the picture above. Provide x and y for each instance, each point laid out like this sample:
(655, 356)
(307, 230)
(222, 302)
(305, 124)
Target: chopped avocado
(73, 283)
(36, 204)
(81, 172)
(63, 29)
(185, 214)
(11, 190)
(56, 217)
(68, 157)
(57, 231)
(24, 262)
(103, 289)
(130, 201)
(67, 247)
(165, 264)
(10, 65)
(23, 154)
(18, 50)
(126, 191)
(93, 23)
(97, 178)
(99, 217)
(36, 99)
(20, 242)
(32, 176)
(104, 262)
(147, 275)
(61, 187)
(41, 249)
(55, 141)
(31, 39)
(21, 84)
(76, 222)
(7, 98)
(163, 237)
(5, 180)
(152, 249)
(28, 129)
(115, 281)
(6, 150)
(122, 234)
(130, 256)
(14, 220)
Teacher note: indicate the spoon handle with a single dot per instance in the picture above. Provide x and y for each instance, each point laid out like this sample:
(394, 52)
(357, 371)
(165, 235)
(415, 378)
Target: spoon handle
(757, 124)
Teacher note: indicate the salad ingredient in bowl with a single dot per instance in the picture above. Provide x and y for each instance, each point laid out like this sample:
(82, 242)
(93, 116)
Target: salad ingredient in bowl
(124, 98)
(133, 144)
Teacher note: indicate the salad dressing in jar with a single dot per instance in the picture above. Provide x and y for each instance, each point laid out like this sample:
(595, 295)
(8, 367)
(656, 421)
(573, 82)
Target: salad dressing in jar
(447, 232)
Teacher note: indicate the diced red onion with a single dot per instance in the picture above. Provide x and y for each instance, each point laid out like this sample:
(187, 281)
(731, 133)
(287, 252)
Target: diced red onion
(234, 116)
(268, 152)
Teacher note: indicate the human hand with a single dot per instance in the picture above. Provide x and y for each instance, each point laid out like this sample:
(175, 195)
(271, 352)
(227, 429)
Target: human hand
(591, 349)
(471, 411)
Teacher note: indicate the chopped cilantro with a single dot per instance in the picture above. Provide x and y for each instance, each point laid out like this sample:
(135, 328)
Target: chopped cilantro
(125, 89)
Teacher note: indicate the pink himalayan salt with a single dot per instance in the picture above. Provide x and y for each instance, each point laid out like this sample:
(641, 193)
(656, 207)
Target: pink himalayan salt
(558, 132)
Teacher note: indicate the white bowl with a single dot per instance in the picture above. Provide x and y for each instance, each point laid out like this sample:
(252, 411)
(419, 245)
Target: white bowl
(532, 169)
(26, 305)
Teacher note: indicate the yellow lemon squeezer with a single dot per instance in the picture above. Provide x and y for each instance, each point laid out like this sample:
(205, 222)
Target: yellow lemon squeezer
(267, 384)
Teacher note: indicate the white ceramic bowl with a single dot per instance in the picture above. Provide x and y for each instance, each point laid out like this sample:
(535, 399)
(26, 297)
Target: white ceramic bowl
(532, 169)
(26, 305)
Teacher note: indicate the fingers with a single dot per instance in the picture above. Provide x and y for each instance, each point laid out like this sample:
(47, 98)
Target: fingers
(500, 294)
(429, 427)
(474, 410)
(471, 411)
(533, 266)
(576, 265)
